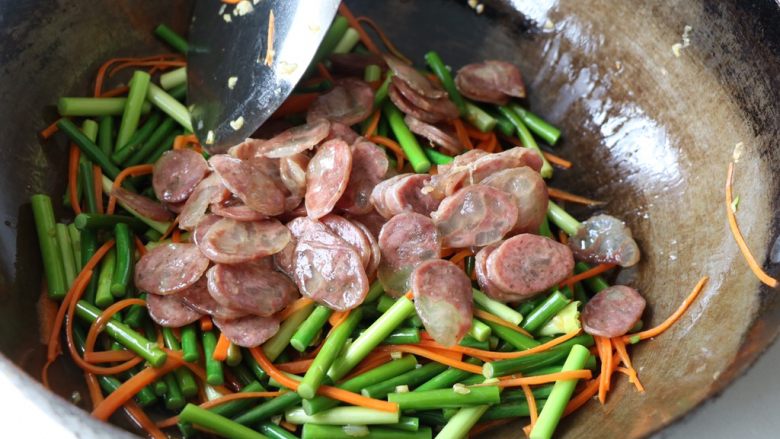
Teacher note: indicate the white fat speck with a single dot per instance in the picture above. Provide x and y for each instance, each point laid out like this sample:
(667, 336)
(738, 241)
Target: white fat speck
(461, 389)
(480, 8)
(739, 148)
(395, 355)
(227, 18)
(222, 9)
(549, 25)
(232, 82)
(676, 48)
(314, 27)
(686, 36)
(255, 1)
(200, 124)
(243, 7)
(287, 68)
(472, 3)
(618, 65)
(237, 124)
(210, 137)
(276, 419)
(402, 389)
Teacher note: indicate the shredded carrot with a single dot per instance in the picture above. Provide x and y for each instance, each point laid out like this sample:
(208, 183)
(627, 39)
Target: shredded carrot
(461, 255)
(446, 252)
(383, 37)
(353, 23)
(488, 425)
(587, 274)
(140, 418)
(431, 355)
(119, 91)
(566, 196)
(294, 307)
(269, 51)
(563, 237)
(372, 124)
(95, 394)
(372, 361)
(230, 2)
(531, 400)
(443, 351)
(73, 177)
(133, 171)
(295, 104)
(501, 355)
(338, 318)
(206, 324)
(100, 77)
(633, 377)
(484, 315)
(400, 156)
(158, 65)
(299, 366)
(582, 374)
(463, 136)
(755, 267)
(97, 177)
(474, 133)
(181, 141)
(174, 225)
(132, 386)
(92, 334)
(109, 356)
(288, 426)
(330, 392)
(324, 72)
(605, 354)
(590, 390)
(492, 143)
(49, 131)
(658, 330)
(557, 160)
(176, 235)
(139, 246)
(221, 349)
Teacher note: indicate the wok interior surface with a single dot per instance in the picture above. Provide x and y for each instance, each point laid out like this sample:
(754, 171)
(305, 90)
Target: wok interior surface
(648, 132)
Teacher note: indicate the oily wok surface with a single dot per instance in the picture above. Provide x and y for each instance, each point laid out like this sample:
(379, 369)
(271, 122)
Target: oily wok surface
(648, 132)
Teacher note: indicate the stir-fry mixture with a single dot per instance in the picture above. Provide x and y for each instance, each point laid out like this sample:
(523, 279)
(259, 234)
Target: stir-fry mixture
(383, 259)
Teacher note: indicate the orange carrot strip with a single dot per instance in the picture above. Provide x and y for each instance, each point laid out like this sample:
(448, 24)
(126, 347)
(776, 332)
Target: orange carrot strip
(288, 426)
(620, 347)
(131, 387)
(176, 235)
(221, 349)
(294, 307)
(541, 379)
(502, 355)
(140, 418)
(299, 366)
(566, 196)
(139, 246)
(532, 409)
(297, 103)
(431, 355)
(383, 37)
(109, 356)
(94, 330)
(230, 2)
(364, 38)
(372, 361)
(338, 318)
(160, 65)
(73, 176)
(587, 274)
(324, 72)
(133, 171)
(557, 160)
(95, 394)
(372, 124)
(605, 372)
(330, 392)
(581, 398)
(100, 77)
(484, 315)
(475, 133)
(97, 176)
(463, 136)
(116, 92)
(49, 131)
(269, 49)
(654, 332)
(461, 255)
(181, 141)
(206, 324)
(755, 267)
(393, 146)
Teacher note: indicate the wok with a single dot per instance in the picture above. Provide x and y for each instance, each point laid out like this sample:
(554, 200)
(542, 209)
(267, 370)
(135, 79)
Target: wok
(649, 132)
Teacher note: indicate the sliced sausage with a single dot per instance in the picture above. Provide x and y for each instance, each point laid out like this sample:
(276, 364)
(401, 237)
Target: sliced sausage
(443, 300)
(235, 209)
(170, 311)
(528, 189)
(170, 268)
(411, 193)
(351, 234)
(249, 331)
(203, 226)
(480, 270)
(490, 81)
(332, 275)
(198, 298)
(408, 107)
(344, 132)
(440, 136)
(612, 312)
(295, 140)
(405, 241)
(605, 239)
(247, 180)
(177, 173)
(475, 216)
(141, 204)
(528, 264)
(376, 252)
(442, 107)
(292, 171)
(250, 287)
(369, 166)
(372, 220)
(231, 242)
(327, 177)
(476, 167)
(377, 197)
(284, 260)
(349, 102)
(353, 64)
(209, 190)
(414, 79)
